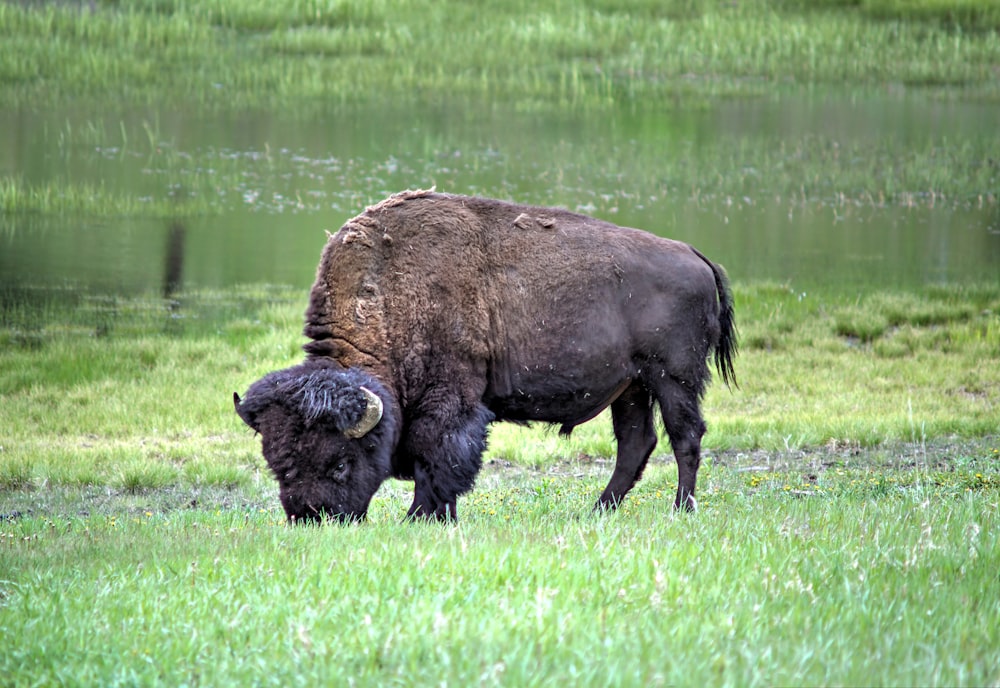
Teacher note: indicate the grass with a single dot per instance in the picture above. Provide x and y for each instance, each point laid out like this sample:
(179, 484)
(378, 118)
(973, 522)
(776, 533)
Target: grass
(225, 55)
(64, 198)
(874, 577)
(847, 531)
(958, 15)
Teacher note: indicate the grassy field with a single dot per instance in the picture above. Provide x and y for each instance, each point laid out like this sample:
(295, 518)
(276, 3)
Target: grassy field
(847, 531)
(849, 500)
(871, 581)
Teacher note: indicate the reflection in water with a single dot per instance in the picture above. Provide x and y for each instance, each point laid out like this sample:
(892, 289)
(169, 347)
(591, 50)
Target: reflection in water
(792, 190)
(173, 261)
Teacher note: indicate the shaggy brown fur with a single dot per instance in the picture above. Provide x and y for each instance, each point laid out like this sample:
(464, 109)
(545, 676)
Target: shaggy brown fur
(469, 309)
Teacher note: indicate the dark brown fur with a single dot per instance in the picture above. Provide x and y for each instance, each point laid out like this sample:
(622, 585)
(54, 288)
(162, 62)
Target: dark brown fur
(464, 310)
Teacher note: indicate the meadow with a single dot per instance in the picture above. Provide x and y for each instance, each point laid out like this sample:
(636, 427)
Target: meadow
(875, 581)
(846, 532)
(849, 498)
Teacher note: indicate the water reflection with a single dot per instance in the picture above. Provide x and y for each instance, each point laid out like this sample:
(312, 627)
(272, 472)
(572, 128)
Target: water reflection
(791, 190)
(173, 259)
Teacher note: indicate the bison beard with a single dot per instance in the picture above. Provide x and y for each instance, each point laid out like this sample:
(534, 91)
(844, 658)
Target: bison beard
(433, 315)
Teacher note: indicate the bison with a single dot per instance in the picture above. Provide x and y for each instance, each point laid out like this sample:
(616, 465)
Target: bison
(433, 315)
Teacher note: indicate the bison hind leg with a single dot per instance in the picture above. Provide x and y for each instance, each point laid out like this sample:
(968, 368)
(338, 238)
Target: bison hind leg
(632, 420)
(680, 404)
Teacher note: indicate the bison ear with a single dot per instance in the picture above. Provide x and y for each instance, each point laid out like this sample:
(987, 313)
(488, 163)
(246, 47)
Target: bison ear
(370, 418)
(243, 412)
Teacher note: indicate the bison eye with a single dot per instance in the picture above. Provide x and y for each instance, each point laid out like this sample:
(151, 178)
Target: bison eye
(339, 471)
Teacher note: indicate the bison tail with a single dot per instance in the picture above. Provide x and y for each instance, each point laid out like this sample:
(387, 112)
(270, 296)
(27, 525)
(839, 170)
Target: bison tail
(728, 347)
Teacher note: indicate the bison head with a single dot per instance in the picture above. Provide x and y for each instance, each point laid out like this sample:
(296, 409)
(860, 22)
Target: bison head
(327, 433)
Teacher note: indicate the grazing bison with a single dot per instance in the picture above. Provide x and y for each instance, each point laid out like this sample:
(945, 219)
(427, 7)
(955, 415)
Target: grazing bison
(433, 315)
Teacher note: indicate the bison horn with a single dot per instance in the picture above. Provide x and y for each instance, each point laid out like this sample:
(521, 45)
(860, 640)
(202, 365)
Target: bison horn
(373, 414)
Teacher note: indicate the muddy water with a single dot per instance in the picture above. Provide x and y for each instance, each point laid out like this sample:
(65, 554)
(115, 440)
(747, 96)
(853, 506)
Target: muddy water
(255, 192)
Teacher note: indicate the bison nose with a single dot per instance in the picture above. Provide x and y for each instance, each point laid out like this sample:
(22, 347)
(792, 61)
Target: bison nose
(312, 516)
(348, 517)
(306, 518)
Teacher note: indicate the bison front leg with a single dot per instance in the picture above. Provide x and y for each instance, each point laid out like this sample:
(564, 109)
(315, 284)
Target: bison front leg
(428, 505)
(447, 455)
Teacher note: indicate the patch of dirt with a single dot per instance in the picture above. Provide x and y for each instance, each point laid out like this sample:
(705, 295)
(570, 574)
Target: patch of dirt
(944, 455)
(82, 502)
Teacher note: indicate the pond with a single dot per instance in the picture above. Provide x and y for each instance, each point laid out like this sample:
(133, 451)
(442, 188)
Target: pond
(815, 191)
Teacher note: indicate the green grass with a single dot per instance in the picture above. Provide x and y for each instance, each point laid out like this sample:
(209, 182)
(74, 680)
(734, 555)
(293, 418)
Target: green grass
(872, 577)
(847, 529)
(63, 198)
(225, 55)
(958, 15)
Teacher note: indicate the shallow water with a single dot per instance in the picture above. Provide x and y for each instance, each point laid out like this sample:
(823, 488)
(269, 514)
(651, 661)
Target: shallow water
(255, 192)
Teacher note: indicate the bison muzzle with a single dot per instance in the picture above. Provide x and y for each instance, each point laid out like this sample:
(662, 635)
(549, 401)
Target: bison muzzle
(433, 315)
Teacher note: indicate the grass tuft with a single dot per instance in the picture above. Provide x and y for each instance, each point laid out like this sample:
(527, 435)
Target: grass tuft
(17, 474)
(136, 476)
(860, 324)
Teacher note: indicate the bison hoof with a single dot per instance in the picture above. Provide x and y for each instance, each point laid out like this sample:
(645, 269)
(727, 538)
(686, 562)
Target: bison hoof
(688, 504)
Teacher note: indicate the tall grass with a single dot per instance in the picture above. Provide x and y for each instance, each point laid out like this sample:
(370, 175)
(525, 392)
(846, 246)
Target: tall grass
(257, 54)
(63, 198)
(958, 15)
